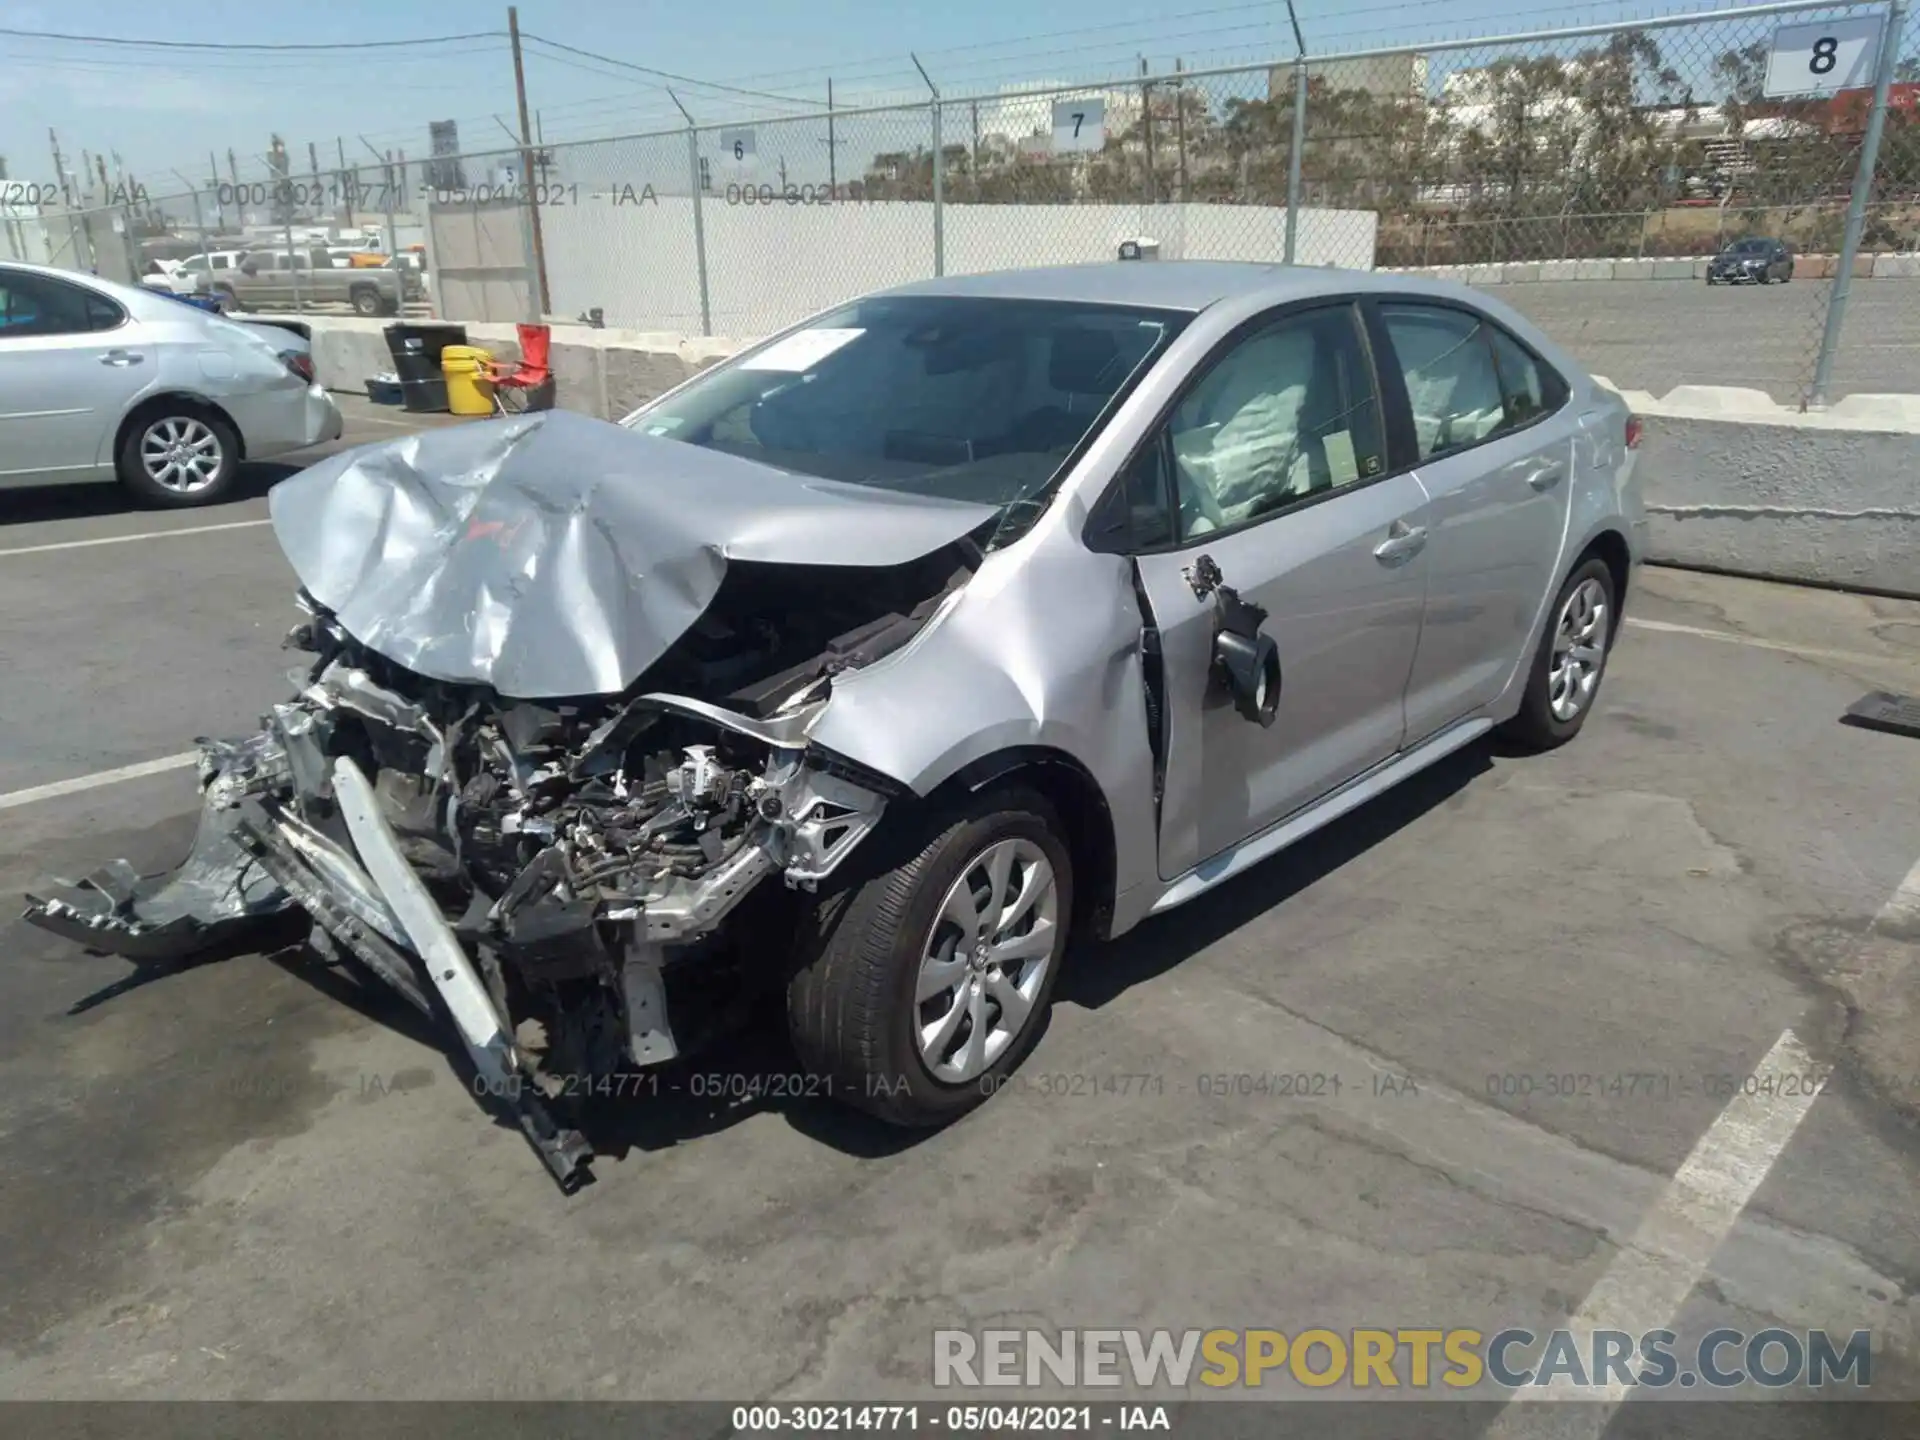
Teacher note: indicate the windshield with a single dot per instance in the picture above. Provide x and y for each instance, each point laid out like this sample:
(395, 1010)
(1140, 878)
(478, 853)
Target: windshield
(969, 398)
(1749, 247)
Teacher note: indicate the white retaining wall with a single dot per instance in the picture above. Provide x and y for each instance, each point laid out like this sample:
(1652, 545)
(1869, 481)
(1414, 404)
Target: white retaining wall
(771, 265)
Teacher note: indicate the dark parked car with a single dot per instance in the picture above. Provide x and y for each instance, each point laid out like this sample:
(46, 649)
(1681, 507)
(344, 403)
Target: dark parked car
(1753, 261)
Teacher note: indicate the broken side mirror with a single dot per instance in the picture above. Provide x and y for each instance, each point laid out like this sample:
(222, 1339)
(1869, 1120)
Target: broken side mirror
(1247, 658)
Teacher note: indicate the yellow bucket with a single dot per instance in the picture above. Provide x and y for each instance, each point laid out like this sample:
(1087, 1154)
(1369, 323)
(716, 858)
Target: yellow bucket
(469, 392)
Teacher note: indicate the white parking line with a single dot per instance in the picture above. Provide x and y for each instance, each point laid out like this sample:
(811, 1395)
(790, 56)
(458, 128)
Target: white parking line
(1650, 1279)
(16, 798)
(129, 539)
(1754, 642)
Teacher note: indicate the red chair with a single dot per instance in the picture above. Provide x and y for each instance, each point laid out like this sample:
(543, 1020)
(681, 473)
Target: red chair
(533, 372)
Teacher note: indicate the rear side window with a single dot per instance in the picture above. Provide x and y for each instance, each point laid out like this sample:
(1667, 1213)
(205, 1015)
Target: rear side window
(1531, 386)
(1467, 379)
(40, 305)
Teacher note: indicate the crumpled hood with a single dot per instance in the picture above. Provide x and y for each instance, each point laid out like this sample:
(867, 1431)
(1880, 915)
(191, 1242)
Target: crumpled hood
(554, 555)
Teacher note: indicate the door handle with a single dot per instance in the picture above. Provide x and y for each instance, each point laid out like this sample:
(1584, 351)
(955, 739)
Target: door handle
(1403, 542)
(1547, 476)
(121, 358)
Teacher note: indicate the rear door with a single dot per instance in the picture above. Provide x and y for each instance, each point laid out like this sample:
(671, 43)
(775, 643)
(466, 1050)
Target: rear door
(1279, 493)
(71, 362)
(1496, 456)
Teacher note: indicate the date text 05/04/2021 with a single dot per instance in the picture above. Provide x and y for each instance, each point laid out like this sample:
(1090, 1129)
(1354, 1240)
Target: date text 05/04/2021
(1042, 1419)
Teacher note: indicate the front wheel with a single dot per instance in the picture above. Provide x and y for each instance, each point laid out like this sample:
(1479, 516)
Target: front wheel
(1565, 677)
(928, 982)
(366, 301)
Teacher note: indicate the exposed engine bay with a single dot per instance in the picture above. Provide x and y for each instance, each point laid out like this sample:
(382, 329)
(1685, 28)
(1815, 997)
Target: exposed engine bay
(577, 884)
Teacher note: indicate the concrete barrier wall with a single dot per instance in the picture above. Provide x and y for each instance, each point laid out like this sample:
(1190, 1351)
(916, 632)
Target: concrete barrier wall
(1733, 481)
(1736, 483)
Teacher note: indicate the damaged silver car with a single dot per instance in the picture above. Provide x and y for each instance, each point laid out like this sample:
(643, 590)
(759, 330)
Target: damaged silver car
(879, 662)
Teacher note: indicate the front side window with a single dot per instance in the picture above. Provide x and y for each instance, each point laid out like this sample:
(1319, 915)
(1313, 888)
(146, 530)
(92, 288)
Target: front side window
(972, 398)
(39, 305)
(1452, 385)
(1285, 414)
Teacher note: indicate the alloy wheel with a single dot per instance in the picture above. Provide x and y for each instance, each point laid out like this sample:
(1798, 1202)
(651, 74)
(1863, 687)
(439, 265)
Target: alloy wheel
(181, 454)
(985, 960)
(1579, 650)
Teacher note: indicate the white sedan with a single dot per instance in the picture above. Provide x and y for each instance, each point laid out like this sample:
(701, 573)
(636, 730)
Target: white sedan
(99, 380)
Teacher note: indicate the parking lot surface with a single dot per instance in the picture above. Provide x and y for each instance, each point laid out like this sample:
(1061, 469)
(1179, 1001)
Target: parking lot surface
(1438, 1065)
(1656, 334)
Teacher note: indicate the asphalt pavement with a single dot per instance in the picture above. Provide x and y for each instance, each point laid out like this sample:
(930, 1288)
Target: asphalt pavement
(1334, 1093)
(1656, 334)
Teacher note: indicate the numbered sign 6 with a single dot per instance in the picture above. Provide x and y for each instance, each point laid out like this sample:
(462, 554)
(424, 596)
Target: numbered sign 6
(1079, 125)
(1824, 57)
(736, 149)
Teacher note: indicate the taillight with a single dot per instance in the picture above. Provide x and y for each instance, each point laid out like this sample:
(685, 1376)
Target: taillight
(1633, 432)
(301, 364)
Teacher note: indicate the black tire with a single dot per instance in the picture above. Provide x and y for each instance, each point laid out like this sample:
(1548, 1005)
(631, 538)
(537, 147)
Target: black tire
(366, 300)
(227, 300)
(852, 1006)
(1536, 727)
(149, 491)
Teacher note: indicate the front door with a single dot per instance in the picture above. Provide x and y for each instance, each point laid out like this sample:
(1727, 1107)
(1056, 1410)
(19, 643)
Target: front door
(1275, 466)
(1498, 469)
(70, 364)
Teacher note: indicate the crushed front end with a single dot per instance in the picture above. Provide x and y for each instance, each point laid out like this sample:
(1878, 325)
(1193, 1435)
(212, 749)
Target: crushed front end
(575, 887)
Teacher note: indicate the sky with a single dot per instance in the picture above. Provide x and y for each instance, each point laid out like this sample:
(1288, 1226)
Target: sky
(164, 112)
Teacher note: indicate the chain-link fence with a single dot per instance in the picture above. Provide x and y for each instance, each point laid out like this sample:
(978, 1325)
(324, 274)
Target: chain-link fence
(1587, 176)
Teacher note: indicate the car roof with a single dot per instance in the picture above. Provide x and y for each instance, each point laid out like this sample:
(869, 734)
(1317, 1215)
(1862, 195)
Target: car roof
(1185, 285)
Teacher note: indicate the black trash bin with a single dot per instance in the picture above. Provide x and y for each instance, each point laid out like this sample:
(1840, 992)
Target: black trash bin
(415, 347)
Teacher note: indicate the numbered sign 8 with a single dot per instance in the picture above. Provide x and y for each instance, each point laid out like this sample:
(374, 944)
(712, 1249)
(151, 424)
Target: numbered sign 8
(736, 149)
(1079, 125)
(1824, 57)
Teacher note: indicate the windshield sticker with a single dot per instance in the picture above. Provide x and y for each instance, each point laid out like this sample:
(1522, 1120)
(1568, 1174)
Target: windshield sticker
(802, 351)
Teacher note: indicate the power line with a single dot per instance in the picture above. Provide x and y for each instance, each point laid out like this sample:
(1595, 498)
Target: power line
(668, 74)
(249, 46)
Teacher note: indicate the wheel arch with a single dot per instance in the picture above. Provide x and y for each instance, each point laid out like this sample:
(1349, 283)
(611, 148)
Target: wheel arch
(1085, 816)
(164, 399)
(1611, 546)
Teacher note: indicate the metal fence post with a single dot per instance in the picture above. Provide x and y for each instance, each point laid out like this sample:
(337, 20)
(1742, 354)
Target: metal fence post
(1857, 207)
(699, 229)
(939, 174)
(1294, 147)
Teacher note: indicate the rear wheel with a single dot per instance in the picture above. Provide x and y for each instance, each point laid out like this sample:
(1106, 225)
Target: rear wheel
(225, 298)
(179, 455)
(366, 300)
(1565, 678)
(928, 982)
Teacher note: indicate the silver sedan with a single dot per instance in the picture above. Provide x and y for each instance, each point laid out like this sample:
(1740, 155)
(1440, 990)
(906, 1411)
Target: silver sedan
(887, 658)
(99, 380)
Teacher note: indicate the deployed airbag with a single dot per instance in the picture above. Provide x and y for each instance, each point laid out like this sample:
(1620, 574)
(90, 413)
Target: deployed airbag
(557, 555)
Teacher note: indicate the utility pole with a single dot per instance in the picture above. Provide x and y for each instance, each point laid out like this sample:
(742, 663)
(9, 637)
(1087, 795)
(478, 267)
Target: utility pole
(526, 160)
(313, 164)
(783, 174)
(833, 155)
(233, 167)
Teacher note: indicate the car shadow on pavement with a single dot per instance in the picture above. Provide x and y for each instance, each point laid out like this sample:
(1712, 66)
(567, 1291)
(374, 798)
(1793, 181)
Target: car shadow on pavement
(37, 504)
(754, 1070)
(1096, 974)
